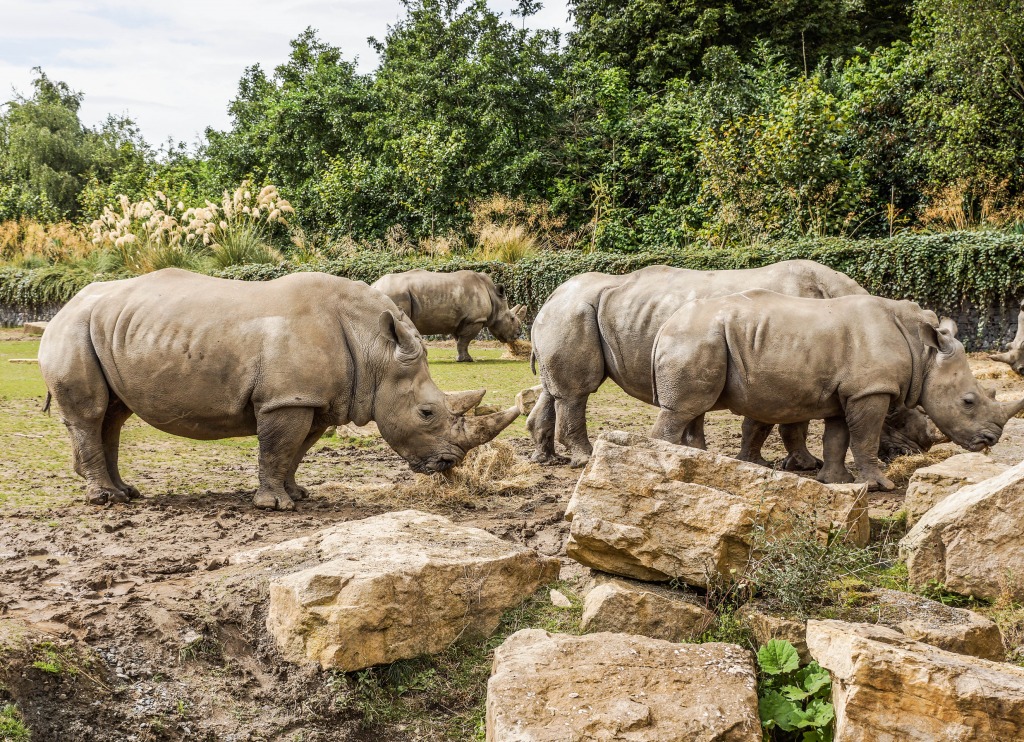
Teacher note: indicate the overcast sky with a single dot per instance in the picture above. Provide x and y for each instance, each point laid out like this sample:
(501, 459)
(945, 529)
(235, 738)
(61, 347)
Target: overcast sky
(174, 65)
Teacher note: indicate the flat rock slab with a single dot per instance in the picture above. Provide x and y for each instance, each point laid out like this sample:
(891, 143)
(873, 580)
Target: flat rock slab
(652, 510)
(559, 688)
(887, 687)
(972, 542)
(930, 485)
(396, 586)
(645, 609)
(34, 328)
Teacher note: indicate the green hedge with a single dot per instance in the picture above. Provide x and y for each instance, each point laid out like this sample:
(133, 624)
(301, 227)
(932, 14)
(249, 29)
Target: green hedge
(954, 273)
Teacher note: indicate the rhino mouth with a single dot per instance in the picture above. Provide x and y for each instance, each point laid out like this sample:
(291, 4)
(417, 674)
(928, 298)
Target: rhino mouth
(435, 464)
(982, 441)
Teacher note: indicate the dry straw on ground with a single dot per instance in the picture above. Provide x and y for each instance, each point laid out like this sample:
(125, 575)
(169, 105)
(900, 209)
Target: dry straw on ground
(902, 468)
(489, 470)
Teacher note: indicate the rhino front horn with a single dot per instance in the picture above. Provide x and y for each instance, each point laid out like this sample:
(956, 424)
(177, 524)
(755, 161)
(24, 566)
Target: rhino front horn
(471, 432)
(462, 402)
(1010, 409)
(1001, 357)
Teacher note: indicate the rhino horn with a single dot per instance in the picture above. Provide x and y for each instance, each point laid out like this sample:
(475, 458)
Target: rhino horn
(471, 432)
(1001, 357)
(519, 310)
(462, 402)
(1010, 409)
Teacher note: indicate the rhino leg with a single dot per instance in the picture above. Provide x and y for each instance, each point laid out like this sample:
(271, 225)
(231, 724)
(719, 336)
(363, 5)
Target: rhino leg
(865, 418)
(571, 428)
(117, 414)
(463, 338)
(834, 445)
(794, 438)
(282, 433)
(294, 490)
(693, 436)
(755, 433)
(541, 425)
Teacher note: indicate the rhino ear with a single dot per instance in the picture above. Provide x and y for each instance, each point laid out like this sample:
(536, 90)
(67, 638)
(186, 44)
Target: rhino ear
(937, 337)
(407, 342)
(500, 289)
(949, 326)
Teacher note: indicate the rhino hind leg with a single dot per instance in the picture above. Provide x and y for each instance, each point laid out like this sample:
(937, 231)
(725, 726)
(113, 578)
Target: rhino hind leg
(114, 419)
(693, 436)
(571, 428)
(463, 338)
(541, 426)
(835, 443)
(282, 433)
(755, 433)
(295, 490)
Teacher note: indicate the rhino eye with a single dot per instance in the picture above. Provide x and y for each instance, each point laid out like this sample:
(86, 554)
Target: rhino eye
(969, 400)
(426, 413)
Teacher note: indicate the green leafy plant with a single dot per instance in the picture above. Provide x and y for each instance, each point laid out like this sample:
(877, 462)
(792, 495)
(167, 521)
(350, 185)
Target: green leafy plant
(795, 702)
(12, 728)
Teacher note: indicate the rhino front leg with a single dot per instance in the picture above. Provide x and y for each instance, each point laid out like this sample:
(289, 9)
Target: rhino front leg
(865, 418)
(794, 438)
(117, 414)
(295, 490)
(91, 462)
(541, 424)
(571, 427)
(282, 433)
(693, 436)
(834, 446)
(463, 338)
(755, 433)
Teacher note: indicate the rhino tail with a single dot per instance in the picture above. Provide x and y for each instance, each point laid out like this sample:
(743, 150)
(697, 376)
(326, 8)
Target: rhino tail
(49, 399)
(533, 362)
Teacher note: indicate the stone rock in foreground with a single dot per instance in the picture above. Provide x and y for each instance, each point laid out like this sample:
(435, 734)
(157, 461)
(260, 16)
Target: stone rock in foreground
(930, 485)
(395, 586)
(651, 510)
(558, 688)
(766, 626)
(526, 400)
(887, 687)
(646, 610)
(973, 541)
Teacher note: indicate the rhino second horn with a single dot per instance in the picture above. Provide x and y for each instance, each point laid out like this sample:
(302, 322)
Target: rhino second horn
(470, 432)
(462, 402)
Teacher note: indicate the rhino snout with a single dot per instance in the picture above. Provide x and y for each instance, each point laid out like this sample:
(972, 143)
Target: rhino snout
(435, 464)
(983, 439)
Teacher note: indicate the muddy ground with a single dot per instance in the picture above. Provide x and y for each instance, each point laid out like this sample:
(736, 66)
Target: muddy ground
(125, 622)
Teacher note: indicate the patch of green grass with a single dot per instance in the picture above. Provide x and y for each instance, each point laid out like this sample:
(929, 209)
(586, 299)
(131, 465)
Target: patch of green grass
(20, 380)
(411, 693)
(12, 728)
(53, 661)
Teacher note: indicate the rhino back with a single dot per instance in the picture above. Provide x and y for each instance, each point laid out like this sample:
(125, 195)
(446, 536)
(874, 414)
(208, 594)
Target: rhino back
(195, 355)
(440, 303)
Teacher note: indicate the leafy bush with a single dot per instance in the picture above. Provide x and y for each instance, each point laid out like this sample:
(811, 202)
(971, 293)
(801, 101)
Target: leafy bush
(795, 703)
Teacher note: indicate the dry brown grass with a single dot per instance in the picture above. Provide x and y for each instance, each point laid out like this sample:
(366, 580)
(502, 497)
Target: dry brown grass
(903, 467)
(517, 350)
(491, 470)
(26, 242)
(967, 204)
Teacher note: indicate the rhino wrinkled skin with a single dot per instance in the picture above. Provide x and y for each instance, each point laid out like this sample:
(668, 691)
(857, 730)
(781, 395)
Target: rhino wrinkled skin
(784, 359)
(460, 304)
(208, 358)
(597, 326)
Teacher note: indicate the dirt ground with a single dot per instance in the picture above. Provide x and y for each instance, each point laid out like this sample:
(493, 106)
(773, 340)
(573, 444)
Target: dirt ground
(125, 622)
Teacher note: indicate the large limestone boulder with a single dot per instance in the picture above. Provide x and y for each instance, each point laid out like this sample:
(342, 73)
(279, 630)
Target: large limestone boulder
(973, 541)
(526, 400)
(930, 485)
(887, 687)
(395, 586)
(558, 688)
(628, 607)
(651, 510)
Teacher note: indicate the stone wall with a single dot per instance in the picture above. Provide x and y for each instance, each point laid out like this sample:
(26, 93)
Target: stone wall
(15, 315)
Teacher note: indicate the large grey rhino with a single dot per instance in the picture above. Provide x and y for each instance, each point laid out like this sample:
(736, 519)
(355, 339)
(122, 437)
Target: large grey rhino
(597, 326)
(460, 304)
(209, 358)
(783, 359)
(1014, 354)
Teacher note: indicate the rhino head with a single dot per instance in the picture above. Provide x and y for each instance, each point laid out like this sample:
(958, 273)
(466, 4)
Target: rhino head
(421, 423)
(1014, 354)
(507, 324)
(961, 408)
(908, 431)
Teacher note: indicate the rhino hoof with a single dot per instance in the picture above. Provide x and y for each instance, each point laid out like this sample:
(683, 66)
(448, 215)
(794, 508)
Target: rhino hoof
(103, 495)
(296, 491)
(549, 459)
(132, 493)
(795, 462)
(879, 482)
(272, 501)
(579, 460)
(835, 476)
(467, 359)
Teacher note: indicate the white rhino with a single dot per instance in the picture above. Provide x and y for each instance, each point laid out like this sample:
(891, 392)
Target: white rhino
(597, 326)
(783, 359)
(1014, 354)
(209, 358)
(460, 304)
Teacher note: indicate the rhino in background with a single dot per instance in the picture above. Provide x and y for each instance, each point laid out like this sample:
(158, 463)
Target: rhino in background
(597, 326)
(1014, 355)
(208, 358)
(783, 359)
(460, 304)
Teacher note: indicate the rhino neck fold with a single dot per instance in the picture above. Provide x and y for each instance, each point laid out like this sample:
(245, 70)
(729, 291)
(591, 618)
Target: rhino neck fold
(912, 395)
(364, 380)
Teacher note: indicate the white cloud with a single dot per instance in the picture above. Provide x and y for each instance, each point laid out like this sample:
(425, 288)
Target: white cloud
(173, 67)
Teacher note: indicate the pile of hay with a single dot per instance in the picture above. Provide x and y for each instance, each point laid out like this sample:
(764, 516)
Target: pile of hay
(902, 468)
(489, 470)
(517, 350)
